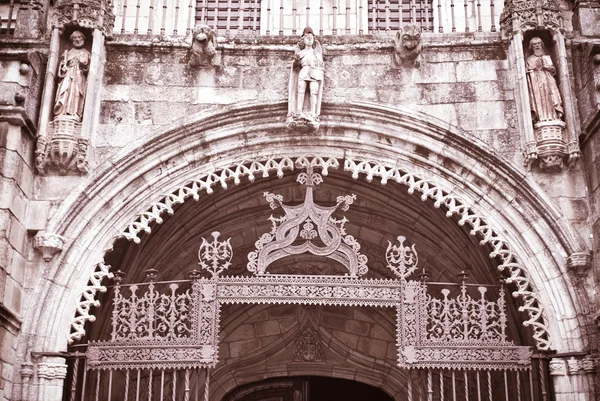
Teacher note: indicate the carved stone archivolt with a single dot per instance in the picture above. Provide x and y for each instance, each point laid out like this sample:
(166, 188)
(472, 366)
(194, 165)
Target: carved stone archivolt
(175, 325)
(380, 292)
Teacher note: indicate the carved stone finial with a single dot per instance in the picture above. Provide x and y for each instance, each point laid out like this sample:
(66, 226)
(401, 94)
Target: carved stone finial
(307, 347)
(579, 263)
(306, 76)
(48, 244)
(407, 47)
(215, 256)
(203, 48)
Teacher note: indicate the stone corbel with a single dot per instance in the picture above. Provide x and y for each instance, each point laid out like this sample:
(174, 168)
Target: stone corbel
(48, 244)
(579, 263)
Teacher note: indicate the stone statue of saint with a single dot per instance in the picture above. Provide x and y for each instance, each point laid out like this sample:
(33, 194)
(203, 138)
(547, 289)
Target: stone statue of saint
(307, 76)
(73, 68)
(544, 96)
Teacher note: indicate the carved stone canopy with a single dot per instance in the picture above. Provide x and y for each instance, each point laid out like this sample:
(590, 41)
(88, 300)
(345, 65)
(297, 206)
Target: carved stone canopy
(524, 15)
(92, 14)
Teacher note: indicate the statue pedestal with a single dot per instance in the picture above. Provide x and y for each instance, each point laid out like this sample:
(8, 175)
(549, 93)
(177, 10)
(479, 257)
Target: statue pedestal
(303, 122)
(551, 145)
(66, 150)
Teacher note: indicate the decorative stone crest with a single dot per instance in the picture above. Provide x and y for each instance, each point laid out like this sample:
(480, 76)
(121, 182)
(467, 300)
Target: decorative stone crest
(306, 76)
(203, 48)
(92, 14)
(48, 244)
(307, 347)
(303, 223)
(407, 47)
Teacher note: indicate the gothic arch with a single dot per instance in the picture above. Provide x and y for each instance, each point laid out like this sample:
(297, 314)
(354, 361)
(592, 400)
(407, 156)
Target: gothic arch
(440, 162)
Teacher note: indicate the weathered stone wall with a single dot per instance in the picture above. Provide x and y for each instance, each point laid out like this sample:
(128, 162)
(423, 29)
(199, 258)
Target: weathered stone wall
(19, 96)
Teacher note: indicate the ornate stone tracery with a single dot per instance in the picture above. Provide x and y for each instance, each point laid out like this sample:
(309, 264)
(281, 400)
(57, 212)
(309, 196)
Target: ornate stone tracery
(453, 204)
(175, 325)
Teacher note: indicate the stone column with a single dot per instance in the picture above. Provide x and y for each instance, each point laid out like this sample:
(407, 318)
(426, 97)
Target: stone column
(573, 378)
(51, 374)
(517, 61)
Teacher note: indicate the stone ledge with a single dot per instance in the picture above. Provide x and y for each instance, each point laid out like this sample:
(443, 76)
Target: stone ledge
(18, 116)
(10, 320)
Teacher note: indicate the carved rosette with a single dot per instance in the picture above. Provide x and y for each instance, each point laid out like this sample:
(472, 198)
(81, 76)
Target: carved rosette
(48, 244)
(65, 151)
(92, 14)
(524, 15)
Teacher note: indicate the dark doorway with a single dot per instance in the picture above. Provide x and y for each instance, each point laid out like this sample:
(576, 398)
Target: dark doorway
(307, 389)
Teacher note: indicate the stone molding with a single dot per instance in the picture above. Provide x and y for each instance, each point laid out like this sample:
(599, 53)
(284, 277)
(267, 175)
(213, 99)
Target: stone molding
(9, 320)
(48, 244)
(26, 370)
(52, 370)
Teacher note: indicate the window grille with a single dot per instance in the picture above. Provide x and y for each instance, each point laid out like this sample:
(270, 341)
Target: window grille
(394, 14)
(225, 15)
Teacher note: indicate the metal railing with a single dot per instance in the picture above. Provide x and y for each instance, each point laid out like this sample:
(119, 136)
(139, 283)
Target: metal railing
(235, 18)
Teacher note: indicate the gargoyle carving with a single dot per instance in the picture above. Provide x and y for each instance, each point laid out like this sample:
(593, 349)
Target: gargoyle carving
(203, 49)
(407, 47)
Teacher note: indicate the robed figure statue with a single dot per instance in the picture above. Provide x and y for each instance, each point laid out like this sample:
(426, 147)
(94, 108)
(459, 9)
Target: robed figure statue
(544, 96)
(73, 68)
(306, 76)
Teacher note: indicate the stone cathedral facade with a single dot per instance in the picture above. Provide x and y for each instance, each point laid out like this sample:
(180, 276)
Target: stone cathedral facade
(299, 200)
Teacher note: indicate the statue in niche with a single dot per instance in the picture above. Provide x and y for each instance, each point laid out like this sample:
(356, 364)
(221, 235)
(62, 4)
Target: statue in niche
(550, 147)
(73, 68)
(306, 76)
(204, 43)
(544, 96)
(407, 47)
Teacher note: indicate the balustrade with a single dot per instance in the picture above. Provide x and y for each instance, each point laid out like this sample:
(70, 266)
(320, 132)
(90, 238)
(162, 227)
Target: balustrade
(238, 18)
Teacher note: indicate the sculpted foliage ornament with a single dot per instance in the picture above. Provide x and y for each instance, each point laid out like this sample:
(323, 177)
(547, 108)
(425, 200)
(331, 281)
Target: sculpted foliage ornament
(215, 256)
(92, 14)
